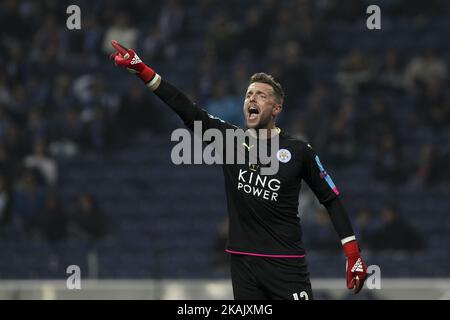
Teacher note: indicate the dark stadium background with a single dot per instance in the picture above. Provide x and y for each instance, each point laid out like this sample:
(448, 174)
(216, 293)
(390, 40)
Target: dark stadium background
(85, 171)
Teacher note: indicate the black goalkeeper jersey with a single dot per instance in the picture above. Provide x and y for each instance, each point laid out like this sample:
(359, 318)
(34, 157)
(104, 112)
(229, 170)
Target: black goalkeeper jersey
(263, 210)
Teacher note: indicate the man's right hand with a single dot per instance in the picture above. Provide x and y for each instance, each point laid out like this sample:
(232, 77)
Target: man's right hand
(127, 58)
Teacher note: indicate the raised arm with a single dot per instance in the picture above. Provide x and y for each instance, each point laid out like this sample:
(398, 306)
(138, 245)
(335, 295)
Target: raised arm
(172, 96)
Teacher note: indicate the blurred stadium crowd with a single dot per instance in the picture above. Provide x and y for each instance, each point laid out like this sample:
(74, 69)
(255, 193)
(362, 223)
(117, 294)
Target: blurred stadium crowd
(84, 148)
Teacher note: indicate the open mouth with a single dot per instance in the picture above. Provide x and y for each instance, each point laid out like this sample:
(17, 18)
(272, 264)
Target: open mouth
(253, 113)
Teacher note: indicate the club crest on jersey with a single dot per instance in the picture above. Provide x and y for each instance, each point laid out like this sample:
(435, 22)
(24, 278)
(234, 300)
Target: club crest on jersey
(283, 155)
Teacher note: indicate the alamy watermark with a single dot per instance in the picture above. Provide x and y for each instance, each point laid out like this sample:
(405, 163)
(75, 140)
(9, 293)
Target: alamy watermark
(373, 280)
(74, 279)
(73, 22)
(234, 146)
(374, 20)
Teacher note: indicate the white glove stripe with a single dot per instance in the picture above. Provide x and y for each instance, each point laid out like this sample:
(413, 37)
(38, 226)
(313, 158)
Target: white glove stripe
(348, 239)
(153, 81)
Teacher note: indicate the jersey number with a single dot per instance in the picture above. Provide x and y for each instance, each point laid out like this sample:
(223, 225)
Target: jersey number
(303, 296)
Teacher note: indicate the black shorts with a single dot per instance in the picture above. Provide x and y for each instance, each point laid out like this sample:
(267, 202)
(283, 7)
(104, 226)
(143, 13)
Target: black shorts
(261, 278)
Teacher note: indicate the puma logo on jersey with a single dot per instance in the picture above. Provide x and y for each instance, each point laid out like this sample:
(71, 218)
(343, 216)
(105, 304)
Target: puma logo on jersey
(247, 146)
(358, 266)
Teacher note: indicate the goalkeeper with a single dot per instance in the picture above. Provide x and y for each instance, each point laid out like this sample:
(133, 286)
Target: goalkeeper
(267, 257)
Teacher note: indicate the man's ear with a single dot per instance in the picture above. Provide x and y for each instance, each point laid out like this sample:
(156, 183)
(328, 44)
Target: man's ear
(277, 109)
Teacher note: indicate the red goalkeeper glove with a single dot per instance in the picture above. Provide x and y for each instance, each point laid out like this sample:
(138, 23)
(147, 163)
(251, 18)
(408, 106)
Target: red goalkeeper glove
(127, 58)
(356, 268)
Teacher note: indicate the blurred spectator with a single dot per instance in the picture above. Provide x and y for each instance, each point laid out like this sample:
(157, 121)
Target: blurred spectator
(310, 27)
(426, 170)
(38, 88)
(162, 40)
(255, 32)
(92, 91)
(284, 29)
(87, 220)
(365, 225)
(204, 80)
(396, 233)
(340, 141)
(37, 126)
(389, 164)
(239, 82)
(92, 35)
(39, 160)
(223, 36)
(53, 220)
(317, 117)
(391, 73)
(7, 166)
(15, 142)
(122, 31)
(6, 202)
(99, 130)
(436, 161)
(295, 74)
(439, 114)
(28, 203)
(69, 134)
(424, 69)
(136, 113)
(5, 122)
(224, 105)
(355, 71)
(5, 91)
(170, 21)
(320, 235)
(49, 45)
(376, 123)
(19, 104)
(432, 104)
(15, 22)
(61, 95)
(153, 44)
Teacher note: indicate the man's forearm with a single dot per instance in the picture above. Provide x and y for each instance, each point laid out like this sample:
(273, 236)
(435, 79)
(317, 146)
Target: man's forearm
(356, 269)
(176, 100)
(340, 220)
